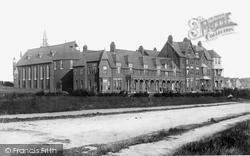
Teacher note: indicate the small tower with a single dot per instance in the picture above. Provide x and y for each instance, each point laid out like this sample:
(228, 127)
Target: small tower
(45, 40)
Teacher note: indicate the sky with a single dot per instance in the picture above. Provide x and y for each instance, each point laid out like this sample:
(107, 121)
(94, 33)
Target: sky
(129, 23)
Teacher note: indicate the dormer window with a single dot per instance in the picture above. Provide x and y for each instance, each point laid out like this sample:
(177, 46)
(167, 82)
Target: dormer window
(40, 55)
(166, 65)
(145, 66)
(28, 56)
(174, 71)
(52, 52)
(118, 69)
(130, 65)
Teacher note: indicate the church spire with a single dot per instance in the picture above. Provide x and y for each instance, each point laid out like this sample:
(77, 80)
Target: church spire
(45, 43)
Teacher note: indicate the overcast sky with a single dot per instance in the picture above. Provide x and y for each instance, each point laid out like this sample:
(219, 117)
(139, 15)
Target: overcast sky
(129, 23)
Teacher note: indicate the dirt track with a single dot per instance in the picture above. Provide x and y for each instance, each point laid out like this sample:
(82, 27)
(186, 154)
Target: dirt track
(103, 129)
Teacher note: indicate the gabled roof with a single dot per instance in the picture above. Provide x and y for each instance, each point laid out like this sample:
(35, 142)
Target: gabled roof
(204, 50)
(213, 54)
(177, 48)
(151, 53)
(90, 56)
(50, 53)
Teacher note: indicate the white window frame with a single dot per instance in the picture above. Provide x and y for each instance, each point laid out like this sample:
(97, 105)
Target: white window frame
(54, 65)
(35, 73)
(29, 74)
(41, 72)
(24, 74)
(71, 64)
(48, 74)
(118, 69)
(61, 64)
(105, 68)
(130, 65)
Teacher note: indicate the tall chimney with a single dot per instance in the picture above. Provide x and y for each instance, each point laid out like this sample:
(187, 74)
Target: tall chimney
(112, 47)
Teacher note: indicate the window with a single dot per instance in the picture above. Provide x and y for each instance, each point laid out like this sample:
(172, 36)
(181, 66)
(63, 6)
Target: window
(29, 74)
(174, 71)
(106, 84)
(35, 73)
(71, 64)
(187, 71)
(104, 69)
(89, 70)
(187, 61)
(41, 72)
(118, 69)
(75, 71)
(166, 65)
(158, 70)
(81, 87)
(61, 64)
(130, 65)
(76, 84)
(24, 74)
(187, 83)
(54, 65)
(94, 68)
(81, 71)
(166, 73)
(48, 72)
(218, 60)
(117, 84)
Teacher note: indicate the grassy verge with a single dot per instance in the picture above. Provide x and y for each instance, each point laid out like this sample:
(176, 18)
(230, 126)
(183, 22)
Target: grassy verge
(234, 141)
(102, 149)
(43, 104)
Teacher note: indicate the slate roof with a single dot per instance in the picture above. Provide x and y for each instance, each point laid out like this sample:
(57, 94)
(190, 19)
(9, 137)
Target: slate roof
(90, 56)
(213, 54)
(151, 53)
(50, 53)
(126, 56)
(202, 49)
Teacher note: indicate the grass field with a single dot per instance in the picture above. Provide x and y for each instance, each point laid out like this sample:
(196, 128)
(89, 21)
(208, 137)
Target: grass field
(234, 141)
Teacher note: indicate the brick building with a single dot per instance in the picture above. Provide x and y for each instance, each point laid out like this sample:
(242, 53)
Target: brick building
(47, 67)
(178, 67)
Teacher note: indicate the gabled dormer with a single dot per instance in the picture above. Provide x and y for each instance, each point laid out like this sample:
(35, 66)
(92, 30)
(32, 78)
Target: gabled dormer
(39, 55)
(28, 56)
(52, 53)
(128, 61)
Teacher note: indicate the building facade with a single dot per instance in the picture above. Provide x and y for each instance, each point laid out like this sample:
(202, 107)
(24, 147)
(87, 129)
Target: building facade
(47, 67)
(178, 67)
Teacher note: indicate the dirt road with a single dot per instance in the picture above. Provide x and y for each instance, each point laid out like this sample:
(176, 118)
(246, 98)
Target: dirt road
(76, 132)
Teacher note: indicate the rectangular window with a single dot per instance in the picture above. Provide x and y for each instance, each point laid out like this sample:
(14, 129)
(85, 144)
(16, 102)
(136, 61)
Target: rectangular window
(89, 70)
(54, 65)
(29, 74)
(61, 64)
(48, 72)
(75, 71)
(166, 73)
(117, 84)
(81, 71)
(76, 84)
(71, 64)
(81, 84)
(35, 73)
(104, 69)
(41, 72)
(158, 70)
(94, 68)
(130, 65)
(118, 69)
(24, 73)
